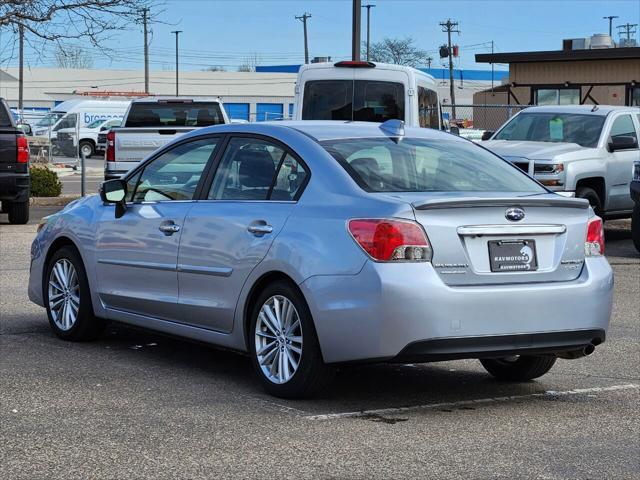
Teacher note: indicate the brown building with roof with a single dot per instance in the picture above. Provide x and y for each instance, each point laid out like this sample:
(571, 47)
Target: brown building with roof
(601, 76)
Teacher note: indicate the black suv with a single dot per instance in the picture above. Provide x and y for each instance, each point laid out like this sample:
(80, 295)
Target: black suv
(14, 168)
(635, 194)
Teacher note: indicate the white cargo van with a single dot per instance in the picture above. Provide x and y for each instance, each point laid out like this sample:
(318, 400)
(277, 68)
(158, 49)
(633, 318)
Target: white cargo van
(366, 91)
(79, 112)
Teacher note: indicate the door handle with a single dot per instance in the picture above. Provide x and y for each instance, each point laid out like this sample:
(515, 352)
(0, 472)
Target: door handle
(259, 230)
(169, 228)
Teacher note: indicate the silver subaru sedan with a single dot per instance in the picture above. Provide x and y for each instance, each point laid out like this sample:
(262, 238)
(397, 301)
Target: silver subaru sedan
(312, 244)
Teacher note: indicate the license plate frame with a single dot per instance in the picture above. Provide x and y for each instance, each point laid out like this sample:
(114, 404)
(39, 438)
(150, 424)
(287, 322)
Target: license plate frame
(507, 256)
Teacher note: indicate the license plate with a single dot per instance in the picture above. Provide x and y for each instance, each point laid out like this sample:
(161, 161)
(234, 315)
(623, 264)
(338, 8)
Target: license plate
(513, 255)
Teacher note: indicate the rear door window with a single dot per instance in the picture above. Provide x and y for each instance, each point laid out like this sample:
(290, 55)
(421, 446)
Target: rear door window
(174, 114)
(359, 100)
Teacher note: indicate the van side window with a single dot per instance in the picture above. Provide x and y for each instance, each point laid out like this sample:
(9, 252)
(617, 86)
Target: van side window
(428, 108)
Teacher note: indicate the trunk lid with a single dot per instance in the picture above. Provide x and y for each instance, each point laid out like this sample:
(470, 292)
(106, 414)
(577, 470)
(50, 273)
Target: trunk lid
(8, 147)
(475, 244)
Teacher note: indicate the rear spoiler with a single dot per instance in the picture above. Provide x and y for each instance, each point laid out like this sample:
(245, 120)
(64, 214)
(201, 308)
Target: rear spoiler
(562, 202)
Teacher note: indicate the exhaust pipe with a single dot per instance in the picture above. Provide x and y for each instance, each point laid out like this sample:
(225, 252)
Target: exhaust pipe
(573, 354)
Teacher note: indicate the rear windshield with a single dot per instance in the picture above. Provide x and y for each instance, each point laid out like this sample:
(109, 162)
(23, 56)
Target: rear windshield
(423, 165)
(195, 114)
(359, 100)
(554, 127)
(5, 116)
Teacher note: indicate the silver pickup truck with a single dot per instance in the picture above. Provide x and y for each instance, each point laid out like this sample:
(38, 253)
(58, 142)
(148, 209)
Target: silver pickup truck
(151, 123)
(585, 150)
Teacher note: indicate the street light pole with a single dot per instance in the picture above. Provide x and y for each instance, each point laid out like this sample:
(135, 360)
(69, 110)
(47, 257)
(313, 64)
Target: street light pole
(177, 32)
(368, 7)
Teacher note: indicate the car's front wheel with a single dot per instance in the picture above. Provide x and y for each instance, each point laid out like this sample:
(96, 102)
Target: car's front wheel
(283, 344)
(518, 368)
(635, 226)
(68, 299)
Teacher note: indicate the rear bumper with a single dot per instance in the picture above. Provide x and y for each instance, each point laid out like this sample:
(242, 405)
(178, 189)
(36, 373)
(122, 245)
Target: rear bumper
(14, 187)
(391, 311)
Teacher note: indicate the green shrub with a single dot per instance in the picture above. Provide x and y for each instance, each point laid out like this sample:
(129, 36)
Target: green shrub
(44, 182)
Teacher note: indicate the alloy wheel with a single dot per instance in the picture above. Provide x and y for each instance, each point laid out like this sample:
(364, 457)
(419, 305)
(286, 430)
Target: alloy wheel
(278, 339)
(64, 294)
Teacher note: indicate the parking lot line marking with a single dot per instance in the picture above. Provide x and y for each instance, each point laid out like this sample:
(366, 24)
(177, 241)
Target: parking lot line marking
(462, 403)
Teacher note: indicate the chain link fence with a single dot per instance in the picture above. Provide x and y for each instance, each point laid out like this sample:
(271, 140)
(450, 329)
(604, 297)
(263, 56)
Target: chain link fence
(480, 117)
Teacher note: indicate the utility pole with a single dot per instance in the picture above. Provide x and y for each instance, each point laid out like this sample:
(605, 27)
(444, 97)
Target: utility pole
(610, 18)
(492, 68)
(303, 18)
(429, 60)
(368, 7)
(21, 69)
(450, 27)
(145, 18)
(355, 30)
(177, 32)
(628, 28)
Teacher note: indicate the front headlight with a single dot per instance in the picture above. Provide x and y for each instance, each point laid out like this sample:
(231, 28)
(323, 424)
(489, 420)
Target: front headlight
(548, 168)
(636, 171)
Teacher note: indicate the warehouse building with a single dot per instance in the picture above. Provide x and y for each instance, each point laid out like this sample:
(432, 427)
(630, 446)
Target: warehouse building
(247, 95)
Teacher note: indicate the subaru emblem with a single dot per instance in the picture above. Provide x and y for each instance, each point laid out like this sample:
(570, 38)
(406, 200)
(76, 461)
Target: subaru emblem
(514, 214)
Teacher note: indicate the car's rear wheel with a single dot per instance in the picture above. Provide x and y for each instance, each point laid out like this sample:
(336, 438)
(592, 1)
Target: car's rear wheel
(18, 212)
(635, 226)
(68, 299)
(284, 345)
(518, 368)
(593, 197)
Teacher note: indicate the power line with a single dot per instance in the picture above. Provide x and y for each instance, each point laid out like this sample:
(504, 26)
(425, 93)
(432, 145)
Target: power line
(628, 28)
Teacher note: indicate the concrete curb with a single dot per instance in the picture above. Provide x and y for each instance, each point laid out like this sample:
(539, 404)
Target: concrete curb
(60, 201)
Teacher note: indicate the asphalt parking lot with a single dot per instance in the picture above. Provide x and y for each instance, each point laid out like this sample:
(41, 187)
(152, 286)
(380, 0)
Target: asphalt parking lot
(136, 404)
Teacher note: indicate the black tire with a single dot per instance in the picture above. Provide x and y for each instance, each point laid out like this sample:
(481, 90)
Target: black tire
(593, 197)
(87, 326)
(312, 374)
(89, 146)
(18, 212)
(635, 226)
(519, 369)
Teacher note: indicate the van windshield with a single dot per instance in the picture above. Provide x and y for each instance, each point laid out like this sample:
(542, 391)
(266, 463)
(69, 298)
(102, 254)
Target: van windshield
(174, 114)
(50, 118)
(554, 127)
(357, 100)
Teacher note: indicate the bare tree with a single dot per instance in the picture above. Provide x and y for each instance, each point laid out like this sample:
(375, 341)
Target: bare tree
(250, 63)
(72, 19)
(214, 68)
(72, 56)
(399, 51)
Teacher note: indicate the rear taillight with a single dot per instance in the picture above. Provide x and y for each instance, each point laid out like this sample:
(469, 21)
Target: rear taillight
(23, 149)
(390, 240)
(111, 146)
(594, 244)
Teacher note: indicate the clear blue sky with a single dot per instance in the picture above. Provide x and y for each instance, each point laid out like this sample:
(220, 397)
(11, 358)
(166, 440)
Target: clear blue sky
(225, 32)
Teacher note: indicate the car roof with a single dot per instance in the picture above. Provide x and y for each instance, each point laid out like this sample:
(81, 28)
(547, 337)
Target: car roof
(176, 99)
(320, 130)
(602, 110)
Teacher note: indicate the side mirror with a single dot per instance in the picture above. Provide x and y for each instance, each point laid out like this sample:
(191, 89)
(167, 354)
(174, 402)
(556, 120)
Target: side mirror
(454, 130)
(622, 142)
(487, 134)
(115, 191)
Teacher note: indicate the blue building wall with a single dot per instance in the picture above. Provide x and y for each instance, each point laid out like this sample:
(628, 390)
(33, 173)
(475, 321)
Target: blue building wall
(438, 73)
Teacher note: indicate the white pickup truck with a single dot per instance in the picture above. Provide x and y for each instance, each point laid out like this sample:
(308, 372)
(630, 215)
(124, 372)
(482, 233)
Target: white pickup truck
(585, 150)
(151, 123)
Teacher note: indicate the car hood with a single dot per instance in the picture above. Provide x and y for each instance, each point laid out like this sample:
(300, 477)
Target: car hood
(532, 150)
